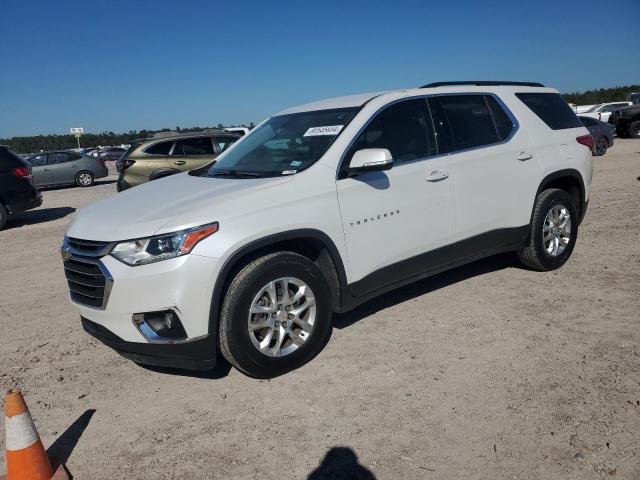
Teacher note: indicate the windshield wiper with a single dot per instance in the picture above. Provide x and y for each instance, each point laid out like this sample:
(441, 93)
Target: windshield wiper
(235, 173)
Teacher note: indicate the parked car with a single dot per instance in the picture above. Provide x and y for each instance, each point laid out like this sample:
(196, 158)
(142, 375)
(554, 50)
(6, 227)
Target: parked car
(626, 120)
(582, 108)
(602, 134)
(321, 208)
(111, 153)
(17, 191)
(66, 168)
(168, 153)
(603, 111)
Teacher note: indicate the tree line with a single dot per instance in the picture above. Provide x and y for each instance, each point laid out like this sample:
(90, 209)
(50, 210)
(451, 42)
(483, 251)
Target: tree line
(37, 143)
(601, 95)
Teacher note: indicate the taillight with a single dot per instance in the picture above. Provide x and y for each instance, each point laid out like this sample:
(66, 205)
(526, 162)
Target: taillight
(22, 172)
(586, 140)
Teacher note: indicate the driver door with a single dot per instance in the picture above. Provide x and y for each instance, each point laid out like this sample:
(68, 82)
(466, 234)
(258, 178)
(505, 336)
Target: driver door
(398, 223)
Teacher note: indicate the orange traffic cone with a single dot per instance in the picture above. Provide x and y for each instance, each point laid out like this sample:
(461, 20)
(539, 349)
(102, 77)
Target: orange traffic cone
(26, 458)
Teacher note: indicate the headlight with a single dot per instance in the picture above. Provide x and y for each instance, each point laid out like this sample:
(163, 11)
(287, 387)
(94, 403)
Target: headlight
(161, 247)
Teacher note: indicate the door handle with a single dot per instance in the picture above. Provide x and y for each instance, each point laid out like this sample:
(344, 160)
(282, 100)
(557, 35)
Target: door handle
(179, 162)
(437, 176)
(524, 156)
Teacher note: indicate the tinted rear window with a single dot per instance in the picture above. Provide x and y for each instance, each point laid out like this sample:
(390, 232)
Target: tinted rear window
(9, 160)
(552, 110)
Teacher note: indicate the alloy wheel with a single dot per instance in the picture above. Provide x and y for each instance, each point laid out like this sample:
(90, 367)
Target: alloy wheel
(556, 231)
(282, 316)
(84, 179)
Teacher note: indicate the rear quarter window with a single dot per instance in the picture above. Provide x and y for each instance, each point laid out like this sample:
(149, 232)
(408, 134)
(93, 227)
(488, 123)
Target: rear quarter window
(551, 109)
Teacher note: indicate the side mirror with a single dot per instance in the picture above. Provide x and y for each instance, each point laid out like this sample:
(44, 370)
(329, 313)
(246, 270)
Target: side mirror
(371, 160)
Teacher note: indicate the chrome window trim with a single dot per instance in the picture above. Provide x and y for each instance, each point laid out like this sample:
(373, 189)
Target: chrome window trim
(514, 130)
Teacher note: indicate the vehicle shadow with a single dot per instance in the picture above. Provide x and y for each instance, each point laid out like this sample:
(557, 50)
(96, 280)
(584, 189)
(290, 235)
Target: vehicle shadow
(42, 215)
(341, 463)
(221, 370)
(60, 450)
(422, 287)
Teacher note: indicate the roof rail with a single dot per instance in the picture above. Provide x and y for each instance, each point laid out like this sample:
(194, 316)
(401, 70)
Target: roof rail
(173, 133)
(482, 83)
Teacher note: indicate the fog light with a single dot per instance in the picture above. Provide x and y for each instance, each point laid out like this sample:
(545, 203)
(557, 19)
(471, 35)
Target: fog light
(162, 326)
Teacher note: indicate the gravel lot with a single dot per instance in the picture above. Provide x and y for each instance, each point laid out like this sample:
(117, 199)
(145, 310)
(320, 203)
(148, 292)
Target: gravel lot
(488, 371)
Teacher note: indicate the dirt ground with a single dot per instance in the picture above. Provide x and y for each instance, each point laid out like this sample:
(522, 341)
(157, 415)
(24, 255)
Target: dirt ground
(489, 371)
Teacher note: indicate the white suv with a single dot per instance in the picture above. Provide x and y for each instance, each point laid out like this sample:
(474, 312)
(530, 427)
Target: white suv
(320, 208)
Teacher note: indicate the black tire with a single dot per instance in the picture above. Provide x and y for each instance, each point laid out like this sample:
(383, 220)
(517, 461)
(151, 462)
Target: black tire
(235, 341)
(600, 146)
(534, 255)
(3, 216)
(81, 176)
(634, 129)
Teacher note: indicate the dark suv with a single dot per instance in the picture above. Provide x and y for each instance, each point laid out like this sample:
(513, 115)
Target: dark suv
(626, 120)
(17, 192)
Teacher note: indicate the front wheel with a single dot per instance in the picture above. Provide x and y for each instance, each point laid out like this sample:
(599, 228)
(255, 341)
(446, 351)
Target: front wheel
(634, 129)
(276, 315)
(554, 230)
(85, 179)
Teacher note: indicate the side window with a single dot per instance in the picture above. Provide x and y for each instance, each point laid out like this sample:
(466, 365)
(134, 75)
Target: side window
(443, 130)
(193, 146)
(74, 156)
(405, 129)
(39, 161)
(162, 148)
(224, 142)
(504, 124)
(551, 109)
(59, 157)
(470, 120)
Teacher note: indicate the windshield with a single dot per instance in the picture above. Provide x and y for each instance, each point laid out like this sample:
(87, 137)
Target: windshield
(284, 145)
(593, 109)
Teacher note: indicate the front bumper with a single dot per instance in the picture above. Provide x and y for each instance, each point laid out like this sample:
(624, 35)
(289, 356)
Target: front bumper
(183, 285)
(196, 354)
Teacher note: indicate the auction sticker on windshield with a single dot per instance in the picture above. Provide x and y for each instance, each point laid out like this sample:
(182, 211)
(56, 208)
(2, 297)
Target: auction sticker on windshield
(329, 130)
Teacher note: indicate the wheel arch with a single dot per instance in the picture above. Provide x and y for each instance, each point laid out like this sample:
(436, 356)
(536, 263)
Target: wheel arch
(317, 246)
(569, 180)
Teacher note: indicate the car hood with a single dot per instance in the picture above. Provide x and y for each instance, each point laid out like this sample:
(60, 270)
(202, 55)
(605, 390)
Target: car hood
(169, 204)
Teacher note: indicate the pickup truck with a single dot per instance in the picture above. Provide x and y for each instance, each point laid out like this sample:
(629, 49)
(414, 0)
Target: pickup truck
(626, 120)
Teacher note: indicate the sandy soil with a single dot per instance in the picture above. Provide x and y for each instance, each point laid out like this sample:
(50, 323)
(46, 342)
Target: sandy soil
(488, 371)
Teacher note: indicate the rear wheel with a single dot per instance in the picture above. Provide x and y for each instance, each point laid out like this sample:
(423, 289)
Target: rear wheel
(601, 145)
(85, 179)
(634, 129)
(3, 216)
(276, 315)
(554, 230)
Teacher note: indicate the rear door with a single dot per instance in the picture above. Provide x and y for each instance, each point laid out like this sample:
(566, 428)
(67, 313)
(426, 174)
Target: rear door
(190, 153)
(493, 170)
(62, 168)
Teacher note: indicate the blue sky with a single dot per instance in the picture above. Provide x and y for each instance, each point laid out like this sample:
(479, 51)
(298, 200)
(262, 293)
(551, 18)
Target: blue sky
(129, 65)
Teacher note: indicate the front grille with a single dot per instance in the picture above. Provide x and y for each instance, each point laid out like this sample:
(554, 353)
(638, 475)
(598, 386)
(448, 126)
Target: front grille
(89, 282)
(88, 248)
